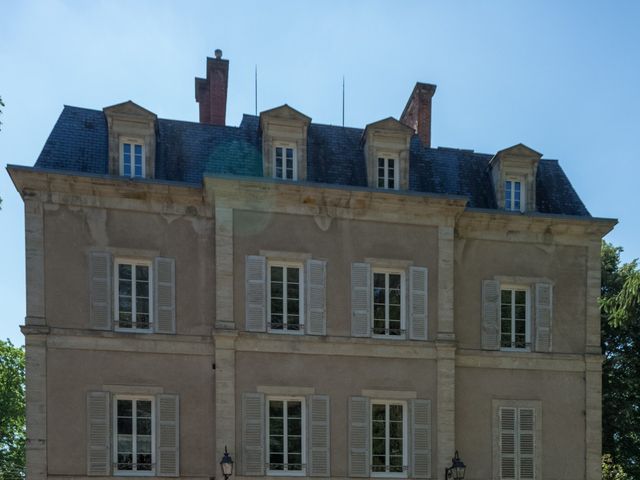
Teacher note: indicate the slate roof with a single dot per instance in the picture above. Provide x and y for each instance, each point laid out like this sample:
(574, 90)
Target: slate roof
(186, 151)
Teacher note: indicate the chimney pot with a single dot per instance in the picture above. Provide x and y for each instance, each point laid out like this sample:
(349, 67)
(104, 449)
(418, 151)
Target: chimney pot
(218, 53)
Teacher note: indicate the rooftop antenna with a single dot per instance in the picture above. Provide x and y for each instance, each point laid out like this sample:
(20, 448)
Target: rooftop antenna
(256, 90)
(343, 100)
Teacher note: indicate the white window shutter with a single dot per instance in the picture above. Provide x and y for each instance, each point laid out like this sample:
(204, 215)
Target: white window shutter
(361, 300)
(253, 434)
(544, 302)
(168, 436)
(316, 320)
(490, 315)
(98, 435)
(420, 456)
(418, 281)
(359, 419)
(319, 461)
(256, 293)
(508, 434)
(165, 295)
(100, 269)
(526, 443)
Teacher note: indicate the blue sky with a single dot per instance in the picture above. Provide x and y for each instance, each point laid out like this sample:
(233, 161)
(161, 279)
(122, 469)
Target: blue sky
(561, 77)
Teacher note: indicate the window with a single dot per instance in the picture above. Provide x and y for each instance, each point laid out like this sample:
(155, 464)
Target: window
(134, 435)
(133, 296)
(388, 317)
(388, 438)
(132, 159)
(514, 194)
(285, 300)
(514, 318)
(517, 443)
(285, 166)
(286, 436)
(387, 173)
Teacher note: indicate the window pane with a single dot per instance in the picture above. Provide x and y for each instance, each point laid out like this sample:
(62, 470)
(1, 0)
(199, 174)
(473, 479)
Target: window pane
(144, 443)
(521, 297)
(125, 461)
(125, 444)
(278, 172)
(394, 281)
(279, 153)
(276, 322)
(125, 426)
(377, 429)
(505, 297)
(275, 426)
(378, 327)
(378, 312)
(293, 275)
(394, 312)
(124, 408)
(379, 296)
(124, 288)
(142, 272)
(276, 289)
(294, 409)
(391, 163)
(124, 320)
(142, 305)
(276, 274)
(378, 446)
(521, 311)
(143, 426)
(394, 297)
(391, 181)
(294, 426)
(295, 462)
(124, 272)
(143, 408)
(276, 409)
(505, 340)
(378, 412)
(505, 326)
(276, 306)
(394, 327)
(144, 462)
(294, 445)
(395, 446)
(276, 444)
(395, 412)
(379, 280)
(293, 291)
(289, 153)
(275, 462)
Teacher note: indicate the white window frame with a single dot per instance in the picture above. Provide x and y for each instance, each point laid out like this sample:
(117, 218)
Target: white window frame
(405, 438)
(116, 293)
(284, 147)
(527, 290)
(396, 171)
(513, 179)
(154, 460)
(403, 303)
(301, 290)
(133, 142)
(303, 428)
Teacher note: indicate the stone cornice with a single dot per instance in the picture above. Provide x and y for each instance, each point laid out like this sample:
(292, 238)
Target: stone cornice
(476, 222)
(106, 191)
(333, 201)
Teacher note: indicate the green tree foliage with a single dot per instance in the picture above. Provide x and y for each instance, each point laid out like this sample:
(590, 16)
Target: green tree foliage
(620, 306)
(12, 412)
(612, 471)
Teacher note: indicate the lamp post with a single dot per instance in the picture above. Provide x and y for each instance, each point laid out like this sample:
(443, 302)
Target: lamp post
(226, 464)
(457, 469)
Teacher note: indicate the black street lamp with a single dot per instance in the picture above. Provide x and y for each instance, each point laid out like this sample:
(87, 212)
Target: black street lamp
(457, 469)
(226, 464)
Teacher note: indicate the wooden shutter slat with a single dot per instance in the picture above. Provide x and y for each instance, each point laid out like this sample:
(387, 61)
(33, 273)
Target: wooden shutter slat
(526, 443)
(255, 293)
(318, 421)
(168, 436)
(98, 434)
(490, 315)
(359, 436)
(316, 297)
(418, 281)
(360, 300)
(100, 268)
(544, 302)
(253, 434)
(420, 438)
(165, 295)
(507, 443)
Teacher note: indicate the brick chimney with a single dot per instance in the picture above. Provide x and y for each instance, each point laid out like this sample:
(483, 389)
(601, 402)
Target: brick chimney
(417, 113)
(211, 93)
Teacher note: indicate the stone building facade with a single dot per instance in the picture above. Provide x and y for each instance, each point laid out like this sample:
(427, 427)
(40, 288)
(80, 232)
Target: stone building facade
(322, 301)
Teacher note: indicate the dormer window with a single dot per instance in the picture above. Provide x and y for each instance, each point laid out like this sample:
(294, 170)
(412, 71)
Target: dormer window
(514, 194)
(388, 172)
(285, 164)
(132, 158)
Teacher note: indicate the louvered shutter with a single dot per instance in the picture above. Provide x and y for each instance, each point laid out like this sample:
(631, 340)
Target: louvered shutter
(490, 315)
(318, 452)
(359, 436)
(360, 299)
(418, 280)
(526, 443)
(98, 437)
(253, 434)
(544, 302)
(421, 438)
(256, 293)
(316, 297)
(100, 286)
(168, 436)
(507, 443)
(165, 295)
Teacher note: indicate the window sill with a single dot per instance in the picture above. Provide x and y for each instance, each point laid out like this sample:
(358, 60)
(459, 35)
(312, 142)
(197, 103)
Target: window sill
(518, 350)
(389, 337)
(128, 473)
(287, 332)
(279, 473)
(134, 330)
(388, 475)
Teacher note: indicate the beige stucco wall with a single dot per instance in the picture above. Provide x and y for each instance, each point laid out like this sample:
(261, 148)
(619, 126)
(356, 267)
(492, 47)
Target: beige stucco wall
(341, 244)
(340, 377)
(564, 266)
(72, 373)
(72, 232)
(563, 417)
